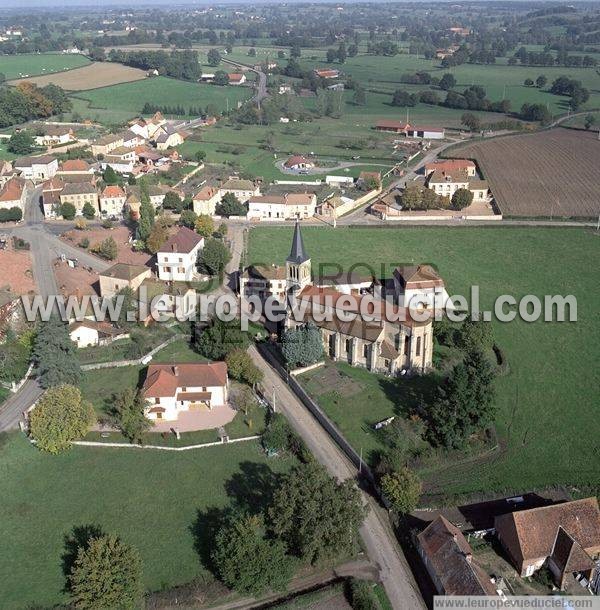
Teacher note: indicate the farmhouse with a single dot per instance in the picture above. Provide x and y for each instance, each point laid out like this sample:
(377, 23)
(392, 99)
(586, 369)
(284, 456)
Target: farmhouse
(205, 201)
(410, 131)
(242, 189)
(326, 73)
(449, 561)
(298, 162)
(565, 537)
(156, 193)
(167, 137)
(171, 389)
(13, 194)
(282, 207)
(75, 167)
(89, 333)
(131, 139)
(236, 78)
(112, 201)
(451, 165)
(446, 183)
(52, 135)
(176, 260)
(107, 144)
(51, 190)
(121, 159)
(121, 276)
(79, 194)
(37, 168)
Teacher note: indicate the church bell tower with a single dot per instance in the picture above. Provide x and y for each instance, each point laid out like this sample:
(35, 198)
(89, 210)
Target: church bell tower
(297, 264)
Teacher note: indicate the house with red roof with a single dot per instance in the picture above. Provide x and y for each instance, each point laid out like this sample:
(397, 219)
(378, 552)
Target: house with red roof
(451, 165)
(236, 78)
(177, 258)
(422, 132)
(112, 200)
(205, 200)
(326, 73)
(298, 162)
(172, 389)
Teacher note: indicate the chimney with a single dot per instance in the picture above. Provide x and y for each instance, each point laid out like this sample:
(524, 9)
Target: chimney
(469, 557)
(176, 370)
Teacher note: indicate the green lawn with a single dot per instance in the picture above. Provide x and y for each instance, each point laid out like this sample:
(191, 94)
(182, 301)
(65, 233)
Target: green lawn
(160, 502)
(548, 410)
(127, 99)
(33, 64)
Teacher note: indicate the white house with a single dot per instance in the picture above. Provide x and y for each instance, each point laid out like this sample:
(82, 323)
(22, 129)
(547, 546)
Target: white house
(51, 135)
(236, 78)
(176, 260)
(298, 162)
(171, 389)
(282, 207)
(112, 200)
(242, 189)
(121, 159)
(13, 194)
(51, 190)
(132, 138)
(206, 200)
(446, 183)
(89, 333)
(75, 167)
(37, 168)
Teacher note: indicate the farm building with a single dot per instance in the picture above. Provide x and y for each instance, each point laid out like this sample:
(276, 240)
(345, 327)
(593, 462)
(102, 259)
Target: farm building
(411, 131)
(445, 184)
(326, 73)
(298, 162)
(89, 333)
(236, 78)
(451, 165)
(282, 207)
(106, 144)
(51, 135)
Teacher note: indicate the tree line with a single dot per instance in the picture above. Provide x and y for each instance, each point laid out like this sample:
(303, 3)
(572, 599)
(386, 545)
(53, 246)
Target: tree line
(27, 102)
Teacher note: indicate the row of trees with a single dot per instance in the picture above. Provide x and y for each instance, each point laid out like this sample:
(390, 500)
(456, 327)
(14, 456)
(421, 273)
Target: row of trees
(183, 65)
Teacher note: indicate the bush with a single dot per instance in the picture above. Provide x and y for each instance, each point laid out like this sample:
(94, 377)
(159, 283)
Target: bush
(68, 211)
(361, 595)
(13, 214)
(84, 243)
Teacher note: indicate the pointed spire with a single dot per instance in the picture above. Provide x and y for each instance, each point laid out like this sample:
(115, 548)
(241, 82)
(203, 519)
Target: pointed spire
(297, 253)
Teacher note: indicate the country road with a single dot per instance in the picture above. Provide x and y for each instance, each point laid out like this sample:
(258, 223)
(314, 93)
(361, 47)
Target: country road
(379, 540)
(261, 89)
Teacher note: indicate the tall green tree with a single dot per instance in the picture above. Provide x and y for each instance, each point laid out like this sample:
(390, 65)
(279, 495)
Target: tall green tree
(110, 176)
(302, 346)
(461, 199)
(247, 561)
(20, 143)
(60, 416)
(213, 57)
(220, 338)
(317, 517)
(128, 411)
(147, 214)
(214, 257)
(55, 355)
(106, 574)
(402, 488)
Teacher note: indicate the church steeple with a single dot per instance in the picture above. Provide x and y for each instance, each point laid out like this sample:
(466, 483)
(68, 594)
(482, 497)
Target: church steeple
(297, 263)
(297, 253)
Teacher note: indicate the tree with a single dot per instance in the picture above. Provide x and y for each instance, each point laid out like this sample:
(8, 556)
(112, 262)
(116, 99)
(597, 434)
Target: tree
(54, 355)
(247, 561)
(107, 249)
(20, 143)
(188, 219)
(464, 402)
(230, 205)
(472, 122)
(341, 53)
(461, 199)
(214, 257)
(528, 82)
(128, 411)
(240, 366)
(251, 52)
(589, 121)
(205, 225)
(278, 434)
(106, 574)
(317, 517)
(14, 214)
(474, 334)
(172, 201)
(302, 346)
(220, 338)
(295, 51)
(541, 81)
(110, 176)
(68, 210)
(447, 81)
(89, 211)
(402, 489)
(60, 417)
(411, 197)
(147, 214)
(359, 97)
(213, 57)
(158, 236)
(403, 98)
(200, 155)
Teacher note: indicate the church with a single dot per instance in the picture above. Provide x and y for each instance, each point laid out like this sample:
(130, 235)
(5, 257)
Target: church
(364, 321)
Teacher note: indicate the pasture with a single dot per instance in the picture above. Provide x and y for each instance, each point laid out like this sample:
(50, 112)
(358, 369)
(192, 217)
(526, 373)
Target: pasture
(548, 416)
(128, 99)
(91, 76)
(552, 173)
(160, 502)
(33, 64)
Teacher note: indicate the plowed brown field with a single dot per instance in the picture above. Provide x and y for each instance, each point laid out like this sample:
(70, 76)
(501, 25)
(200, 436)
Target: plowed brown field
(550, 173)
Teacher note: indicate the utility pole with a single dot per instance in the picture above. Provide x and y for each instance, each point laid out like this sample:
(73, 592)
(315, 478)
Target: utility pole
(274, 409)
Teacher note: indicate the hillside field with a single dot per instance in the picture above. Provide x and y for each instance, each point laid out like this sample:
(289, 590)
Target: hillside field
(157, 501)
(128, 99)
(548, 411)
(32, 64)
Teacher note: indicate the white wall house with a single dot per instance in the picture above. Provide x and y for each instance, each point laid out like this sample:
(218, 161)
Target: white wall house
(242, 189)
(13, 194)
(89, 333)
(206, 200)
(171, 389)
(282, 207)
(177, 258)
(37, 168)
(112, 201)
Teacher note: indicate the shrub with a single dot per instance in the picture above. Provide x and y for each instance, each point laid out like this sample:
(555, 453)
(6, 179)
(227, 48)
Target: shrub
(13, 214)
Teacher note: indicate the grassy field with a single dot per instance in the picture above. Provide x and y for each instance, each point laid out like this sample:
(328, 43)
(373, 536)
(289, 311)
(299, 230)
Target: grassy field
(160, 502)
(17, 66)
(116, 103)
(549, 398)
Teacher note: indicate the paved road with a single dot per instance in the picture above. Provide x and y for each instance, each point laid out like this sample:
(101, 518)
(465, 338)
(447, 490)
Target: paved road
(261, 89)
(379, 540)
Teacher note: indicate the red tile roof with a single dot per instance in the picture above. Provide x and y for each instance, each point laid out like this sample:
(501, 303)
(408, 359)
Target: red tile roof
(235, 76)
(12, 190)
(184, 241)
(206, 193)
(449, 166)
(163, 380)
(297, 160)
(113, 191)
(75, 165)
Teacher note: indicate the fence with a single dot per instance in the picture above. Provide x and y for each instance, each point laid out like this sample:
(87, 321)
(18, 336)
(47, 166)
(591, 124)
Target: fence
(267, 352)
(16, 386)
(137, 361)
(160, 447)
